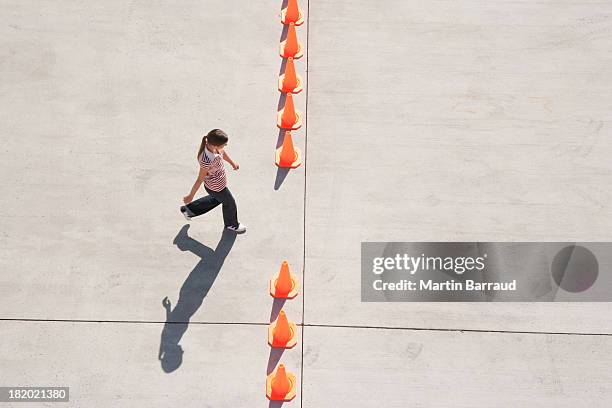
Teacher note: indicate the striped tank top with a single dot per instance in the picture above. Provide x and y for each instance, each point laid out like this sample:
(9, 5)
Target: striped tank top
(213, 164)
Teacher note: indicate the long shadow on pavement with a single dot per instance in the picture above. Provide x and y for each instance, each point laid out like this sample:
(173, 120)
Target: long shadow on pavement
(192, 294)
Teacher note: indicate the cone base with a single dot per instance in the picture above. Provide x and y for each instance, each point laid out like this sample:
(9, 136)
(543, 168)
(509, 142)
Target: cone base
(299, 21)
(295, 126)
(295, 90)
(290, 395)
(298, 55)
(294, 289)
(292, 341)
(296, 163)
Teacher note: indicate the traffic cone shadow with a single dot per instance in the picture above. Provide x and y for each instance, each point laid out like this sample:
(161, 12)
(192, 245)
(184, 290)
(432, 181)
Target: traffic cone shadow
(281, 175)
(281, 172)
(284, 32)
(282, 67)
(273, 358)
(281, 137)
(281, 103)
(277, 305)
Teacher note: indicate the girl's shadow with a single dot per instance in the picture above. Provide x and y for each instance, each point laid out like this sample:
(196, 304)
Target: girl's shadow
(192, 294)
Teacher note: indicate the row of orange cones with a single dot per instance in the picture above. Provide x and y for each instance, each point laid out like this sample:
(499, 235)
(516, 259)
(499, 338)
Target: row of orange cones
(281, 385)
(289, 83)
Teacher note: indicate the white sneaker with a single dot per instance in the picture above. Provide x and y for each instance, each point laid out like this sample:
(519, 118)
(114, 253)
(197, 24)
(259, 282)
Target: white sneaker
(239, 229)
(184, 211)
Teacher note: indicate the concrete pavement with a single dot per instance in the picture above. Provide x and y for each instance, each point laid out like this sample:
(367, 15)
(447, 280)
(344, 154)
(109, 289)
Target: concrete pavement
(424, 122)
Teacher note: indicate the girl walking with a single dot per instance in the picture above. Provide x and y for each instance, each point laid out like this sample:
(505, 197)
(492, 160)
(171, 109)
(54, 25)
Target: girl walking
(212, 173)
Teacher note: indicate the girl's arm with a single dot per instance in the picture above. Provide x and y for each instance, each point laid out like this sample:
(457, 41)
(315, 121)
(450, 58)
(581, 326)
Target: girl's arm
(189, 198)
(230, 161)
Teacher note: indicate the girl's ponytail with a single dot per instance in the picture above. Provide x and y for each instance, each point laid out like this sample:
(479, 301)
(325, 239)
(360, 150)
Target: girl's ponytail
(202, 146)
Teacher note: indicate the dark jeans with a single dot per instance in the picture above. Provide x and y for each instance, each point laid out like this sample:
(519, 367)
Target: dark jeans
(204, 204)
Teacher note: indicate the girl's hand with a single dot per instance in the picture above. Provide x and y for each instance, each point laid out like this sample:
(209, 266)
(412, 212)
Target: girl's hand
(187, 199)
(236, 166)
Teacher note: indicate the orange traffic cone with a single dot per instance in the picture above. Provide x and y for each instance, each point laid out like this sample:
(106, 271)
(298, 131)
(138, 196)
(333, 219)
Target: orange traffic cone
(282, 333)
(288, 117)
(285, 285)
(291, 47)
(288, 156)
(290, 82)
(280, 385)
(292, 14)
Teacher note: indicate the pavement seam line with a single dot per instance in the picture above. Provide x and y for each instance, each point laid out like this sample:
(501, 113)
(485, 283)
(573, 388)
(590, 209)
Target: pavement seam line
(130, 321)
(456, 330)
(304, 204)
(324, 326)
